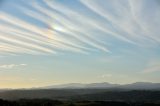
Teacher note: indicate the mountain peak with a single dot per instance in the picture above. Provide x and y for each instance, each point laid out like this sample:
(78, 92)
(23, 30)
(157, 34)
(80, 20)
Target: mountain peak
(106, 85)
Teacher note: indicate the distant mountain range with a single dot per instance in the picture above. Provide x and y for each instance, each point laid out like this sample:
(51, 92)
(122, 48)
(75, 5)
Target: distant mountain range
(80, 85)
(106, 85)
(139, 91)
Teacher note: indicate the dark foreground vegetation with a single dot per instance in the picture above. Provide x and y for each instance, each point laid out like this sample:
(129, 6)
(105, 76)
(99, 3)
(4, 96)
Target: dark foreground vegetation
(80, 97)
(47, 102)
(83, 94)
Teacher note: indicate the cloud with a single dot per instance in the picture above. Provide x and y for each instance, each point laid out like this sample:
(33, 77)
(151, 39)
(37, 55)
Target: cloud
(65, 28)
(27, 35)
(152, 69)
(70, 27)
(10, 66)
(106, 75)
(132, 20)
(153, 66)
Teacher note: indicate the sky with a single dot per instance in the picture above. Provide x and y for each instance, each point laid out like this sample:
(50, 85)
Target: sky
(50, 42)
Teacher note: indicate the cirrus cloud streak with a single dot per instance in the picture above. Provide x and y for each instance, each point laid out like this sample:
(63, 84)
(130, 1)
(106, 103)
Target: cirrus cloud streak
(126, 21)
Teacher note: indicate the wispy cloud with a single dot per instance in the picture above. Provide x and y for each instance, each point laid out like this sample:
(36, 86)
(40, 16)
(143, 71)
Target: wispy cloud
(10, 66)
(68, 29)
(106, 76)
(130, 18)
(153, 66)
